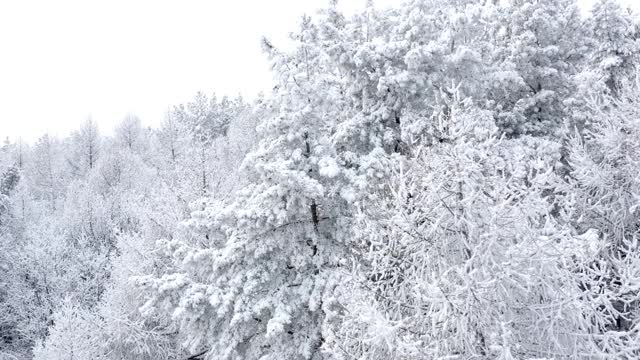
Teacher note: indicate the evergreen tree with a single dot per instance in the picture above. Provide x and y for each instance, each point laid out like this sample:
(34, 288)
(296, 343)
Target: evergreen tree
(615, 52)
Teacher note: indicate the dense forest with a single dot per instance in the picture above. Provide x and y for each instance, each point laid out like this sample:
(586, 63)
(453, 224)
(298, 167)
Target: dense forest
(439, 180)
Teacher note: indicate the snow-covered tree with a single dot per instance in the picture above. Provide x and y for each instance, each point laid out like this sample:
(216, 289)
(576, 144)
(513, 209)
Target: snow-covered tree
(462, 258)
(538, 48)
(71, 337)
(114, 329)
(601, 192)
(45, 171)
(616, 49)
(129, 133)
(255, 275)
(85, 148)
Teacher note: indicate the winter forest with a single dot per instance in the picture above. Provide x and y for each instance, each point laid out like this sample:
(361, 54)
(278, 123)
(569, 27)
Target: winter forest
(438, 180)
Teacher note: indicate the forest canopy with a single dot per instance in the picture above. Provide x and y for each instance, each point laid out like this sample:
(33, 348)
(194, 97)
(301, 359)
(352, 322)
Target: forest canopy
(437, 180)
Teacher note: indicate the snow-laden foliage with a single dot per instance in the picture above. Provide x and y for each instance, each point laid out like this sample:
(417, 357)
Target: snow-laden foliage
(600, 196)
(464, 258)
(114, 328)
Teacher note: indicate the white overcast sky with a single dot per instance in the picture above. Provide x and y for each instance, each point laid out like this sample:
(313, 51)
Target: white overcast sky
(63, 60)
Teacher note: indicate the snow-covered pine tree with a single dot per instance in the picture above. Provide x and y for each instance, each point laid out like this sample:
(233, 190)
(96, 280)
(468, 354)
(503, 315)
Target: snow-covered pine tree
(615, 48)
(256, 276)
(539, 46)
